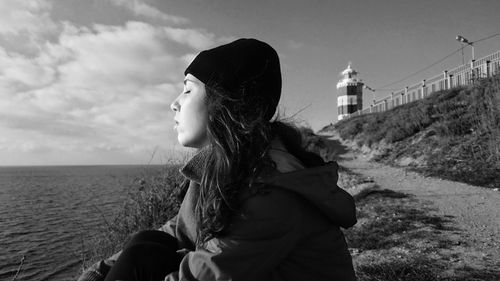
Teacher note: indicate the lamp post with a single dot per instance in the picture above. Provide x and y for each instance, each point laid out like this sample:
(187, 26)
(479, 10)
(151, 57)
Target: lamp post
(373, 92)
(462, 39)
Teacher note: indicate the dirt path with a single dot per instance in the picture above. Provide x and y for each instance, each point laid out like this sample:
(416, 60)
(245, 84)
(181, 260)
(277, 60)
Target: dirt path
(474, 211)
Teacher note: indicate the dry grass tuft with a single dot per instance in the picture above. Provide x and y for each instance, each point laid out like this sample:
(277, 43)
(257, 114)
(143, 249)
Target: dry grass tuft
(151, 202)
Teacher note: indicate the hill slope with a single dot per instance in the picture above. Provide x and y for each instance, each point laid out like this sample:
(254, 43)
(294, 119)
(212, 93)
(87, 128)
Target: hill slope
(454, 134)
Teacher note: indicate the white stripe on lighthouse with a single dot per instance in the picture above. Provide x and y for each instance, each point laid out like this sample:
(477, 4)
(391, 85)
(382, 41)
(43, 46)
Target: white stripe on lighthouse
(346, 100)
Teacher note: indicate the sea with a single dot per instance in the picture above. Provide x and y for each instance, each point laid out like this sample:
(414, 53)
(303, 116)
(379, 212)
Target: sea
(49, 214)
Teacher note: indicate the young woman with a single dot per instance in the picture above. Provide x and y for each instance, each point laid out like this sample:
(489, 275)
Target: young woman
(257, 206)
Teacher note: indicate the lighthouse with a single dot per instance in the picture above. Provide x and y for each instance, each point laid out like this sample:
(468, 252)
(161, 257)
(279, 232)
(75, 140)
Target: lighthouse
(349, 93)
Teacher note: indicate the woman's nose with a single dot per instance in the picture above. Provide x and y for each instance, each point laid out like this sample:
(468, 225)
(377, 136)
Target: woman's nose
(175, 105)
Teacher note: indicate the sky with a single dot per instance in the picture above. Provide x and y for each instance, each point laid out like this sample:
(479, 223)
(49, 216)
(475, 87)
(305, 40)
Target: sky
(90, 82)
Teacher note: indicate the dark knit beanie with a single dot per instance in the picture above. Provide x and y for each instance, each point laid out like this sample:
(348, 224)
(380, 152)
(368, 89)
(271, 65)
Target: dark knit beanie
(239, 66)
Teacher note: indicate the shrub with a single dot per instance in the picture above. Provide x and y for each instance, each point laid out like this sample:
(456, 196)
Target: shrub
(151, 202)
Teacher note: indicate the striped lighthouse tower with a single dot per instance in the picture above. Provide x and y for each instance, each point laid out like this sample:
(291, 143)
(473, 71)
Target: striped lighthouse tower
(349, 93)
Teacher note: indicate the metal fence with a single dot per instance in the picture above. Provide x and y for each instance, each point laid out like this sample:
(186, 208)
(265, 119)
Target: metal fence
(462, 75)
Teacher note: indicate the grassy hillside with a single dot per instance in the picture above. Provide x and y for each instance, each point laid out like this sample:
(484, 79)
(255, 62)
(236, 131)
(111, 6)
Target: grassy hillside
(454, 134)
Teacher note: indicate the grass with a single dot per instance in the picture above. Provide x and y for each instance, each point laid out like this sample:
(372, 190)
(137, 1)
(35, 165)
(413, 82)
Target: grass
(454, 134)
(151, 202)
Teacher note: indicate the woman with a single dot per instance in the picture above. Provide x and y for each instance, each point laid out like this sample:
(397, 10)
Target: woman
(257, 206)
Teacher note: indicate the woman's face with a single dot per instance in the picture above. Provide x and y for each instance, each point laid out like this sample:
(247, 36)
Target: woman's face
(191, 113)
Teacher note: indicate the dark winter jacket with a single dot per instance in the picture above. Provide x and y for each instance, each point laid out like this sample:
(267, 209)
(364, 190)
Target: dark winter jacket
(291, 232)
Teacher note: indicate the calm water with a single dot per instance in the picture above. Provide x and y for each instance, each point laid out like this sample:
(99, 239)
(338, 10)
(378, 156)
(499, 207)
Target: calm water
(48, 214)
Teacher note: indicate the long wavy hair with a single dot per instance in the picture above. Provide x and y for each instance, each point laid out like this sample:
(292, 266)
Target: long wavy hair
(239, 138)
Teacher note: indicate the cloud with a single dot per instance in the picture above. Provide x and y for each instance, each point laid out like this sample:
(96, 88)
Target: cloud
(140, 8)
(93, 91)
(25, 25)
(32, 16)
(19, 71)
(117, 56)
(109, 81)
(196, 39)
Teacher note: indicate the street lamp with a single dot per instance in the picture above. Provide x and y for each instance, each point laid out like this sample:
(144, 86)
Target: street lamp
(373, 92)
(462, 39)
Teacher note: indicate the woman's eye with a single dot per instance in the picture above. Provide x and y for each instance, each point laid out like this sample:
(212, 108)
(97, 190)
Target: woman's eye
(187, 92)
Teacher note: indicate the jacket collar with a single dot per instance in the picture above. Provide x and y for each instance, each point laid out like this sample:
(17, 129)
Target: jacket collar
(193, 169)
(285, 162)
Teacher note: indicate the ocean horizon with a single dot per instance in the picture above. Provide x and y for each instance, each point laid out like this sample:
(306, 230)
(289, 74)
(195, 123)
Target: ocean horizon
(50, 215)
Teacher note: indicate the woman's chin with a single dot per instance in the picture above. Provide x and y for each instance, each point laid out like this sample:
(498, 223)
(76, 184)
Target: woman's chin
(185, 143)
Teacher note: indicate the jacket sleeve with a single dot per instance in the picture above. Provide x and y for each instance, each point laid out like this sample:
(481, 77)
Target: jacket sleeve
(261, 237)
(99, 270)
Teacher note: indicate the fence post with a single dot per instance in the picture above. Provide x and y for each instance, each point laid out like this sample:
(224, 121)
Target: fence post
(423, 90)
(405, 95)
(488, 73)
(472, 71)
(392, 105)
(445, 80)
